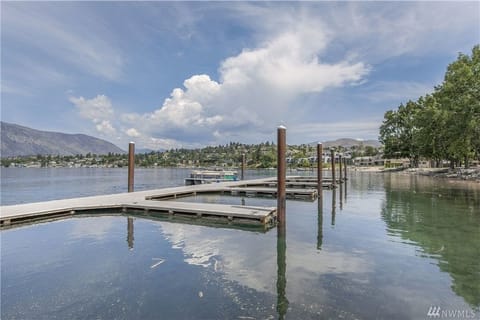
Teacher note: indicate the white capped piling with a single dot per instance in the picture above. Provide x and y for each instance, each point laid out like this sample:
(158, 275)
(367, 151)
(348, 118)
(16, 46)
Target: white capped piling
(243, 167)
(281, 176)
(320, 169)
(340, 168)
(131, 165)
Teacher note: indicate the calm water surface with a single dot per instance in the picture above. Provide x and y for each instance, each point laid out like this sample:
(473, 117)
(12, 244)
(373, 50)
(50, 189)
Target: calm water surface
(386, 247)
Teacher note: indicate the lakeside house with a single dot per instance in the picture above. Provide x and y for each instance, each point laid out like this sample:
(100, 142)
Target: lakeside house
(369, 161)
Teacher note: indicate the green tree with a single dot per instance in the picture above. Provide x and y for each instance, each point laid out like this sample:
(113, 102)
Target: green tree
(459, 97)
(430, 136)
(397, 133)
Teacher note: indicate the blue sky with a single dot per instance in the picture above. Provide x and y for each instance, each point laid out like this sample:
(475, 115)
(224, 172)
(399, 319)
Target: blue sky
(189, 74)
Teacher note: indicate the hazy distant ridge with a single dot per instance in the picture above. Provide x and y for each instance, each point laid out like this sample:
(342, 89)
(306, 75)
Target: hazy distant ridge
(18, 140)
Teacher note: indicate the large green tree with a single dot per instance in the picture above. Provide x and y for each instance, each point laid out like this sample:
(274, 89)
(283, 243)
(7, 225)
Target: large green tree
(442, 125)
(398, 130)
(459, 97)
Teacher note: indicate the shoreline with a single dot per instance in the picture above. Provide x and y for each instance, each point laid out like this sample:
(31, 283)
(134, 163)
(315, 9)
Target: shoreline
(457, 174)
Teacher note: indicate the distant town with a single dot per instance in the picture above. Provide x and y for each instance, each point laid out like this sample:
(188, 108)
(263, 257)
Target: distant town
(261, 155)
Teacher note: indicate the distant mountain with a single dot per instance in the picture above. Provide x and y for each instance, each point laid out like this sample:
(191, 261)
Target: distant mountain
(22, 141)
(348, 143)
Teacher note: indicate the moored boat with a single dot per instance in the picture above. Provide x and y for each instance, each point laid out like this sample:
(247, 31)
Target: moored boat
(210, 176)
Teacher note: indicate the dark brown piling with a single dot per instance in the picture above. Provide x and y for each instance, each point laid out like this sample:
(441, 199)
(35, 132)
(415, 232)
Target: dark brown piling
(243, 166)
(131, 165)
(281, 176)
(345, 169)
(340, 169)
(320, 169)
(332, 157)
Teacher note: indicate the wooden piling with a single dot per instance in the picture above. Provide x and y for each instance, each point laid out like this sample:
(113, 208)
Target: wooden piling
(340, 169)
(281, 174)
(345, 169)
(332, 157)
(131, 165)
(320, 169)
(243, 166)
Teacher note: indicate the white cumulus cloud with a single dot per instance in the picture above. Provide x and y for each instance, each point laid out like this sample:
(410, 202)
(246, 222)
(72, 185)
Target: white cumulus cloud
(95, 109)
(99, 110)
(132, 132)
(105, 127)
(255, 90)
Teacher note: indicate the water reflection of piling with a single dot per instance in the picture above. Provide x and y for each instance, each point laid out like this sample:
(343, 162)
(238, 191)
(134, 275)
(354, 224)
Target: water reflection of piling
(320, 224)
(340, 196)
(332, 157)
(345, 193)
(333, 206)
(131, 165)
(340, 169)
(282, 301)
(320, 169)
(130, 237)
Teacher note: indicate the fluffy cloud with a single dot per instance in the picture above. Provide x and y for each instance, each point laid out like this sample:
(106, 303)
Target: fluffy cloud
(106, 128)
(95, 109)
(255, 90)
(290, 63)
(186, 108)
(132, 132)
(99, 110)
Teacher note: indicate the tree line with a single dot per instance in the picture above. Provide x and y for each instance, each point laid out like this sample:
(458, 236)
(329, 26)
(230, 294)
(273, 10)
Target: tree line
(262, 155)
(442, 125)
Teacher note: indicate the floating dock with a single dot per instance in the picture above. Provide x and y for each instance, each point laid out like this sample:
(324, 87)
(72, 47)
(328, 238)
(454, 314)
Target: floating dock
(147, 202)
(289, 184)
(154, 201)
(299, 194)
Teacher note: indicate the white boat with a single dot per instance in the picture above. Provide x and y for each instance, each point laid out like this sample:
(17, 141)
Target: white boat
(210, 176)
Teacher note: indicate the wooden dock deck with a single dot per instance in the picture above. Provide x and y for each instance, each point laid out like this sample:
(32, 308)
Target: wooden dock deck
(289, 184)
(263, 215)
(302, 194)
(299, 188)
(143, 201)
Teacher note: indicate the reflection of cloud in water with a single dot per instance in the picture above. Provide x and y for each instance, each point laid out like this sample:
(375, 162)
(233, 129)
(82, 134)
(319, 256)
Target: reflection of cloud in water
(238, 255)
(92, 228)
(250, 258)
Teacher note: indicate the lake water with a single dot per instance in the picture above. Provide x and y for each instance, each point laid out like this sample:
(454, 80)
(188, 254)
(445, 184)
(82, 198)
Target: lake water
(381, 247)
